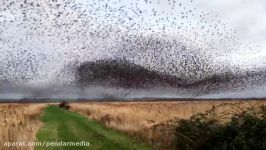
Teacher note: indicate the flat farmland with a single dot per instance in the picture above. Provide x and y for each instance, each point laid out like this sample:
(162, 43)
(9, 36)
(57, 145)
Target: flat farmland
(142, 125)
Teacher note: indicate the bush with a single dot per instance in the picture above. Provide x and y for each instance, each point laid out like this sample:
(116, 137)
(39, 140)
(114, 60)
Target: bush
(244, 130)
(64, 104)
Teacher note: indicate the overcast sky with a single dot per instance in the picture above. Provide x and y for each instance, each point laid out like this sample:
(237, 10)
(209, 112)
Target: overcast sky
(39, 49)
(248, 17)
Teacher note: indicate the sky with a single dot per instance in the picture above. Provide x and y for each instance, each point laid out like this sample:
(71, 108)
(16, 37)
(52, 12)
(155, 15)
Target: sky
(246, 17)
(38, 43)
(249, 19)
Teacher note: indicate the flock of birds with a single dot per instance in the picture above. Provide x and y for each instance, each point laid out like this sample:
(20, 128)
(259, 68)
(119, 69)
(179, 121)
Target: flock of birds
(39, 39)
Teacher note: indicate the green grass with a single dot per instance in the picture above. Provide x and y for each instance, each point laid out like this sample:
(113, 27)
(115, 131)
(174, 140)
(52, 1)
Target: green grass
(63, 125)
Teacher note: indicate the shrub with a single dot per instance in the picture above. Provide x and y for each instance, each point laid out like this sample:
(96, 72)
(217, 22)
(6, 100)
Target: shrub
(245, 129)
(64, 104)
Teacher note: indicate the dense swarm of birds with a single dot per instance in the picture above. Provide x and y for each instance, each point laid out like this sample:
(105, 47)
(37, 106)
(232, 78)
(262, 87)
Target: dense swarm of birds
(43, 42)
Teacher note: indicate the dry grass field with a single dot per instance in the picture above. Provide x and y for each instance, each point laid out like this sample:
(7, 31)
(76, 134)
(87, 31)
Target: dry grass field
(19, 122)
(153, 121)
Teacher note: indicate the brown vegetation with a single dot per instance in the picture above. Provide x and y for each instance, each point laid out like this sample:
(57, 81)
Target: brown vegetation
(18, 123)
(152, 121)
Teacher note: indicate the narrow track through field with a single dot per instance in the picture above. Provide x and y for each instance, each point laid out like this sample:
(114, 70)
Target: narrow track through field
(63, 125)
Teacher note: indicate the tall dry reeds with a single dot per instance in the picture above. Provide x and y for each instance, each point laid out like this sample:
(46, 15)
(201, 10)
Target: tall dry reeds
(19, 122)
(152, 121)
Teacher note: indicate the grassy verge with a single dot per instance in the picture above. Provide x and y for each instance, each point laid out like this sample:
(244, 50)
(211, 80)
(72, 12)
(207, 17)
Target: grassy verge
(62, 125)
